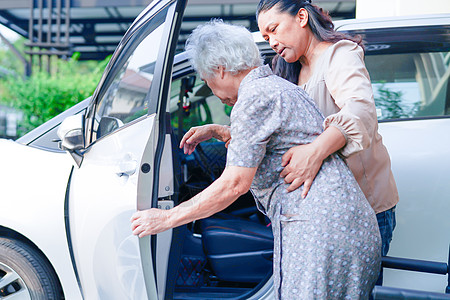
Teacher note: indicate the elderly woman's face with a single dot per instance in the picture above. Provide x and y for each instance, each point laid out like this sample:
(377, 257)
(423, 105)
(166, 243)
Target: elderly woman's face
(224, 87)
(285, 33)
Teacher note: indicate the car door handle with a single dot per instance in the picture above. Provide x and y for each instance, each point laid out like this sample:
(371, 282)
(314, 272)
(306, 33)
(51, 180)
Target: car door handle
(126, 168)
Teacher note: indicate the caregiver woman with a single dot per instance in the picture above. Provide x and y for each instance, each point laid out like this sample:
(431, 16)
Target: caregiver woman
(329, 66)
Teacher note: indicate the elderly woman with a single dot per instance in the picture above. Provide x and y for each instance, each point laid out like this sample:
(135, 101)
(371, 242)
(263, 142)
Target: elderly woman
(326, 245)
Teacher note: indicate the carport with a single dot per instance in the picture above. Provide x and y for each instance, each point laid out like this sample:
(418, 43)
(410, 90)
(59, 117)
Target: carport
(94, 28)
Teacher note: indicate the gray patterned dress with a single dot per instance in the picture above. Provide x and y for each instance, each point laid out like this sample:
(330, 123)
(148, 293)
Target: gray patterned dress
(326, 246)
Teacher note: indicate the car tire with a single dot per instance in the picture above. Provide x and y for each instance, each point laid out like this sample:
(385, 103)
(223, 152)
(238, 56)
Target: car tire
(24, 271)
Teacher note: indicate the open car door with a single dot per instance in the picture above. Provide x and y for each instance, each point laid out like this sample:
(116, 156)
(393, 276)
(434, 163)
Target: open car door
(126, 165)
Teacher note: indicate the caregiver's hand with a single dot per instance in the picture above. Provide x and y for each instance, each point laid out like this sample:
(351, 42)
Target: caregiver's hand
(196, 135)
(301, 165)
(150, 221)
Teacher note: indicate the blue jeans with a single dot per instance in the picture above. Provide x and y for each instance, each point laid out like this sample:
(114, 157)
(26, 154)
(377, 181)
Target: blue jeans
(386, 223)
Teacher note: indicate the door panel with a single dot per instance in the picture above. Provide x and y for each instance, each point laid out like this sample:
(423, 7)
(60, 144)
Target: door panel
(159, 147)
(419, 152)
(104, 192)
(412, 84)
(102, 201)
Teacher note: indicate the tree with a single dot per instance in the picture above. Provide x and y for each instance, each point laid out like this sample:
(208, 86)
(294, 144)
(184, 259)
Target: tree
(9, 61)
(393, 105)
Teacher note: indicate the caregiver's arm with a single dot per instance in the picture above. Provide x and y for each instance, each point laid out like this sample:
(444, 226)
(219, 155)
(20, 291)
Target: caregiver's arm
(234, 182)
(348, 131)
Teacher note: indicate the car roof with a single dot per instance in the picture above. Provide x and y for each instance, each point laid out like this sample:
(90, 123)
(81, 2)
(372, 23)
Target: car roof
(391, 22)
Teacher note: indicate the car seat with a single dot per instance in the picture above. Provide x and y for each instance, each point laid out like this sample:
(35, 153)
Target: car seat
(237, 249)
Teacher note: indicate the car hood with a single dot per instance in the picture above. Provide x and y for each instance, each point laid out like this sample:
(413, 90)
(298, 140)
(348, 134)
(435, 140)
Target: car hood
(20, 162)
(30, 178)
(7, 146)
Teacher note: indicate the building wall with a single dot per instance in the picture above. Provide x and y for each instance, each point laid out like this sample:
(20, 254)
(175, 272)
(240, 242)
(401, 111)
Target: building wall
(8, 122)
(388, 8)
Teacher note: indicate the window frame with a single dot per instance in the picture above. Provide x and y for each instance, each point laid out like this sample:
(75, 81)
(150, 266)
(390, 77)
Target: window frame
(129, 43)
(389, 39)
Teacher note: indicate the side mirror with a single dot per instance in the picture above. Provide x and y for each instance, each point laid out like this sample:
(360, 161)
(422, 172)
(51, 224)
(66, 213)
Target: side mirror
(71, 133)
(108, 125)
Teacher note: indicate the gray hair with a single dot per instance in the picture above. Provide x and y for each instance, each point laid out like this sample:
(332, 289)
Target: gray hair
(217, 44)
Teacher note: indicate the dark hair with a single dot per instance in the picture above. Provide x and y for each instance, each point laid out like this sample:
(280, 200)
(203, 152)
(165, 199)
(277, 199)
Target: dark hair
(319, 22)
(288, 71)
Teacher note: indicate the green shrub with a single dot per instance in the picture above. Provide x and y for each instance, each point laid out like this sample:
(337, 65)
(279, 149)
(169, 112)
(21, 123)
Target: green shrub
(43, 96)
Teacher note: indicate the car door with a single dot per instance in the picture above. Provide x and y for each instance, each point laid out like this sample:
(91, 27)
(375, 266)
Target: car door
(120, 168)
(410, 77)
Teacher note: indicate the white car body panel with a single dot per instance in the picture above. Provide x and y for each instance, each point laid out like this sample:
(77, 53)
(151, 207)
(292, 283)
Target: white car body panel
(102, 201)
(33, 203)
(399, 21)
(419, 151)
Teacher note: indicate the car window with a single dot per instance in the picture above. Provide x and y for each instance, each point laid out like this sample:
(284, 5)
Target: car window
(192, 103)
(125, 99)
(195, 105)
(410, 85)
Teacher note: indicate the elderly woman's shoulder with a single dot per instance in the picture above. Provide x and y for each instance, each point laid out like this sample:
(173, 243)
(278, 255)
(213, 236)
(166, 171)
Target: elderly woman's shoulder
(264, 92)
(284, 89)
(272, 85)
(284, 84)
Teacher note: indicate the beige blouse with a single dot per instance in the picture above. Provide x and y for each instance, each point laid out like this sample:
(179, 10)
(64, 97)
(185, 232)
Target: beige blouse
(341, 87)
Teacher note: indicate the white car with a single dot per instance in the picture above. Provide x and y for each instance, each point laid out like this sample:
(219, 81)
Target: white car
(65, 228)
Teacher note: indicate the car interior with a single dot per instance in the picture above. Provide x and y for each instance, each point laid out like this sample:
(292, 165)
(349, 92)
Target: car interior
(229, 254)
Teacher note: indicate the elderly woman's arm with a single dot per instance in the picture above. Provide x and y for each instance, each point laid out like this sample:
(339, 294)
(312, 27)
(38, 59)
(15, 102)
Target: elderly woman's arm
(196, 135)
(234, 182)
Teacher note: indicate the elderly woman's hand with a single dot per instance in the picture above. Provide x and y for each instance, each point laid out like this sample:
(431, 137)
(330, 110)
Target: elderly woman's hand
(301, 165)
(196, 135)
(150, 221)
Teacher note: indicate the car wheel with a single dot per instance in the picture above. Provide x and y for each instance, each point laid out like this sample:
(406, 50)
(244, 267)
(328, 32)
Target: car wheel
(25, 274)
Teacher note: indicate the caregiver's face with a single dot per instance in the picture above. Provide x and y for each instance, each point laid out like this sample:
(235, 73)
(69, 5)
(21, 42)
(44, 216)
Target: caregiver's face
(285, 33)
(223, 87)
